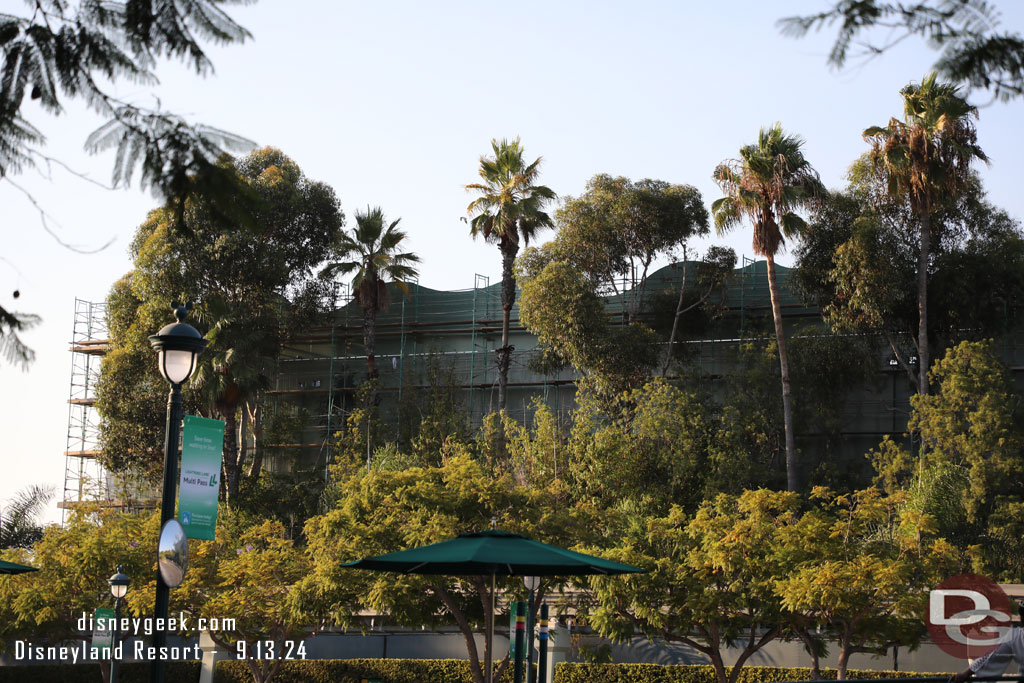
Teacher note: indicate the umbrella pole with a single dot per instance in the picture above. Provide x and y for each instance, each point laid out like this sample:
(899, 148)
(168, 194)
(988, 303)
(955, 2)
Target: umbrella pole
(489, 647)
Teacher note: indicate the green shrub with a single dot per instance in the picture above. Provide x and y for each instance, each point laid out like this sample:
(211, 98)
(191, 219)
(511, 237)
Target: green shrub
(688, 673)
(417, 671)
(128, 672)
(355, 670)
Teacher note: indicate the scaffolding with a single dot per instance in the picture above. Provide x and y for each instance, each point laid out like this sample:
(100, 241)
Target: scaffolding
(319, 372)
(84, 477)
(459, 332)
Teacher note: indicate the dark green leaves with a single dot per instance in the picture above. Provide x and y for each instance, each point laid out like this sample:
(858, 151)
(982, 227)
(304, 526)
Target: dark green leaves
(63, 52)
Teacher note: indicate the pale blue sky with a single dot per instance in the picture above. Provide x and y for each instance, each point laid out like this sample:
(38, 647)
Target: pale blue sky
(392, 103)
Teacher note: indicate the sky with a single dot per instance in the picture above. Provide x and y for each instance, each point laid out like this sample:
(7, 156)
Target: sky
(393, 103)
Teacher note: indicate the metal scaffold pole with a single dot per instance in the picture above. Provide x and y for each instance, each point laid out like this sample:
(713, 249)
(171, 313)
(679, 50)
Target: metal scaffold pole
(84, 477)
(330, 381)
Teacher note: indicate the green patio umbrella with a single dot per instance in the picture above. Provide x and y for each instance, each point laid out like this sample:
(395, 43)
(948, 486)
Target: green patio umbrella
(492, 553)
(13, 568)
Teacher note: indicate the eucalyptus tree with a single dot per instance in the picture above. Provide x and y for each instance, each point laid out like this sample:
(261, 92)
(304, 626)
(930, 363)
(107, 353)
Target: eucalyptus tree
(248, 290)
(767, 184)
(927, 160)
(508, 212)
(371, 250)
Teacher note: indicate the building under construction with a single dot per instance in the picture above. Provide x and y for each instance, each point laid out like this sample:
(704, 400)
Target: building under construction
(320, 372)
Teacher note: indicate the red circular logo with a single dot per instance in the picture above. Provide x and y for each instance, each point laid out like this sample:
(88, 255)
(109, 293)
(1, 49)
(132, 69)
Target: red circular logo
(968, 616)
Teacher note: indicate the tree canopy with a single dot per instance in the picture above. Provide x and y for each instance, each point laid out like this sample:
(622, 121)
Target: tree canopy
(251, 290)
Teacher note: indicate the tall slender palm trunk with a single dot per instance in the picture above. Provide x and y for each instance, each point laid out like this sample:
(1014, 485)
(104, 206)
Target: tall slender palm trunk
(792, 481)
(370, 339)
(232, 462)
(922, 303)
(508, 299)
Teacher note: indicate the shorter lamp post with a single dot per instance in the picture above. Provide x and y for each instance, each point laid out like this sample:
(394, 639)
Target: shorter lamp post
(178, 345)
(531, 583)
(118, 588)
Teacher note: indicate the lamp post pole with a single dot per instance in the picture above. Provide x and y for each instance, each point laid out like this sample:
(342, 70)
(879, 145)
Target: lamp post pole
(178, 345)
(163, 591)
(531, 583)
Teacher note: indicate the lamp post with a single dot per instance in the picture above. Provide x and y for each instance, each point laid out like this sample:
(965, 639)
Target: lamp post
(118, 587)
(531, 583)
(177, 346)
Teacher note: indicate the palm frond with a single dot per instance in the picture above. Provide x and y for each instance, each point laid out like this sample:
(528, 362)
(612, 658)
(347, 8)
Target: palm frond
(19, 521)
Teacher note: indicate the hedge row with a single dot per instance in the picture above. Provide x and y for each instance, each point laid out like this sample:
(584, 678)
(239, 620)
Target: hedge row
(418, 671)
(691, 673)
(128, 672)
(356, 670)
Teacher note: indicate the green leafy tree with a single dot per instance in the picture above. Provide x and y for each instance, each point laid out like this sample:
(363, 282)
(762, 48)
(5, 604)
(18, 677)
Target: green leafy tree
(615, 230)
(61, 52)
(973, 421)
(250, 574)
(608, 238)
(861, 569)
(927, 158)
(249, 288)
(371, 251)
(509, 211)
(967, 478)
(561, 306)
(385, 510)
(967, 33)
(710, 582)
(74, 562)
(247, 574)
(859, 256)
(767, 184)
(653, 449)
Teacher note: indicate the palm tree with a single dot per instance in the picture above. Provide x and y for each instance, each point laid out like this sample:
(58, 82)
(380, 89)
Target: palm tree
(926, 159)
(19, 523)
(232, 375)
(371, 251)
(510, 209)
(767, 184)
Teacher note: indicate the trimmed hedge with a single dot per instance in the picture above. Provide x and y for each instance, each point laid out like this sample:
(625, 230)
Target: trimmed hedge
(417, 671)
(127, 672)
(568, 672)
(355, 670)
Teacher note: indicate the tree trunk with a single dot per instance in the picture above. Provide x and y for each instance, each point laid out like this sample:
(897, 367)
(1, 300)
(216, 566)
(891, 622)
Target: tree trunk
(256, 419)
(922, 303)
(370, 334)
(792, 481)
(812, 650)
(675, 320)
(719, 666)
(232, 466)
(508, 298)
(844, 661)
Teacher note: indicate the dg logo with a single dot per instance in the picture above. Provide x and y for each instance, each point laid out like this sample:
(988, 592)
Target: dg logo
(968, 616)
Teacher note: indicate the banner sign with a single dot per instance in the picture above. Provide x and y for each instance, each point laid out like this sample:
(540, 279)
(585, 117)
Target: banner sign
(103, 638)
(201, 448)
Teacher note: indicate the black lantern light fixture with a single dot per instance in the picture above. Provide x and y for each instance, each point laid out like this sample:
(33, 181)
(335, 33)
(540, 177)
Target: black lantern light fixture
(178, 345)
(118, 588)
